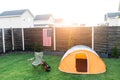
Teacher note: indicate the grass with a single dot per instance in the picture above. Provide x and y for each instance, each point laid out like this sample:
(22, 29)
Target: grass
(16, 67)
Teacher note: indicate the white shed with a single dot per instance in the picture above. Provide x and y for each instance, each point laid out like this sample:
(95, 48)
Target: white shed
(16, 19)
(45, 20)
(112, 19)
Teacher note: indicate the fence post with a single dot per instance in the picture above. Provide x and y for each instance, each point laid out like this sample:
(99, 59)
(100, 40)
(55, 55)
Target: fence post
(3, 39)
(12, 38)
(92, 37)
(54, 36)
(23, 45)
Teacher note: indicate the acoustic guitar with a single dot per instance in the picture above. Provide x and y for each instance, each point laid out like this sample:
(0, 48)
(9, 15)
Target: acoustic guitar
(46, 67)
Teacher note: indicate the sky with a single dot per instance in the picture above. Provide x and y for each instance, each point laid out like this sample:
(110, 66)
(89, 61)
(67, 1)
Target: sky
(90, 12)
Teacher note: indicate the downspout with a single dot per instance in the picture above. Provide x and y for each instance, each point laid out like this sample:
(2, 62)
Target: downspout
(93, 37)
(54, 37)
(3, 39)
(23, 45)
(12, 38)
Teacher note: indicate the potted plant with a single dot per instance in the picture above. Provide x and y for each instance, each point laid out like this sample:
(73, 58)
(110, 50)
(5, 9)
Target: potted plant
(38, 55)
(37, 50)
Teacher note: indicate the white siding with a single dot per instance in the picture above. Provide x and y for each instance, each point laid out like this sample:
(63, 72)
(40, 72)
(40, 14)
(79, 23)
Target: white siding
(41, 22)
(113, 21)
(10, 22)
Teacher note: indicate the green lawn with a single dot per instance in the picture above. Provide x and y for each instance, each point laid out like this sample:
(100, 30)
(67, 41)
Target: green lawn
(16, 67)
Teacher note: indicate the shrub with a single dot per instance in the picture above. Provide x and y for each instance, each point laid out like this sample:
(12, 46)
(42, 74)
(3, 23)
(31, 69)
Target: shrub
(36, 47)
(115, 52)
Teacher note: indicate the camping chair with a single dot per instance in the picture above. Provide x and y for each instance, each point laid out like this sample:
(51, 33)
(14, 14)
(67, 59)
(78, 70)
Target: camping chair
(38, 59)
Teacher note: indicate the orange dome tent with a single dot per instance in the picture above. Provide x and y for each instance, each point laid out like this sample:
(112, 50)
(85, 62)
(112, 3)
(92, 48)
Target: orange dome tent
(81, 59)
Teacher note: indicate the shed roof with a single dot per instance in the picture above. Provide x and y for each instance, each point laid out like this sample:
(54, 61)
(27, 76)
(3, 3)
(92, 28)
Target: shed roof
(13, 13)
(42, 17)
(113, 14)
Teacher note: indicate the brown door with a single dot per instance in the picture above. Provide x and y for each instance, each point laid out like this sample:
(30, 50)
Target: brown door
(81, 65)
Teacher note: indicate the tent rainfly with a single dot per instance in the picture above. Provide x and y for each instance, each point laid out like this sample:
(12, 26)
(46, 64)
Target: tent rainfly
(81, 59)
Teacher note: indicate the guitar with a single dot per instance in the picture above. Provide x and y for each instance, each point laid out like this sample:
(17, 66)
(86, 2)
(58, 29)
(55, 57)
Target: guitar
(46, 67)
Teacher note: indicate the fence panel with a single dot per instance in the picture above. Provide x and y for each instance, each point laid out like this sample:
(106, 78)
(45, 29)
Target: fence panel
(100, 39)
(113, 38)
(17, 32)
(33, 36)
(106, 38)
(70, 36)
(8, 39)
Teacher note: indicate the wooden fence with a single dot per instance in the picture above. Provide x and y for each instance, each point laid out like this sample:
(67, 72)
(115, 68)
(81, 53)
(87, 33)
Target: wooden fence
(35, 35)
(68, 37)
(105, 38)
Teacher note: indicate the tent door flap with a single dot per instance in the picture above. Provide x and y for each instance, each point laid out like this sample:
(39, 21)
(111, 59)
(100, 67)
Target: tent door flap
(81, 63)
